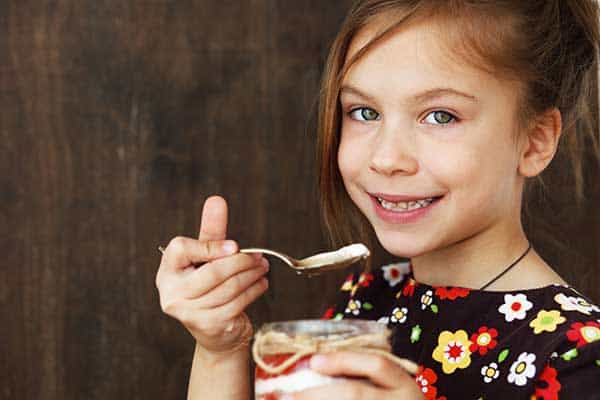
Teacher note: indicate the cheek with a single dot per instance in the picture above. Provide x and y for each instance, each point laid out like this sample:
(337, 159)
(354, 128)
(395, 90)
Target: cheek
(473, 177)
(452, 168)
(348, 159)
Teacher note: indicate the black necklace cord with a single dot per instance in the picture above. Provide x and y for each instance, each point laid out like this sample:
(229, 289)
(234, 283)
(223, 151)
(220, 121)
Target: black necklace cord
(501, 274)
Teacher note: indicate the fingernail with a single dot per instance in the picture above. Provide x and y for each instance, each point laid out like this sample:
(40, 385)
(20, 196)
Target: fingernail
(229, 246)
(317, 362)
(264, 262)
(286, 397)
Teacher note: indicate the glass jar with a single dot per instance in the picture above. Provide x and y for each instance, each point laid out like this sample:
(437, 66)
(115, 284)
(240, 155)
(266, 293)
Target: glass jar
(282, 351)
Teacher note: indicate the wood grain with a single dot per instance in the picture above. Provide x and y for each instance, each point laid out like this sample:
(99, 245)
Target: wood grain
(118, 118)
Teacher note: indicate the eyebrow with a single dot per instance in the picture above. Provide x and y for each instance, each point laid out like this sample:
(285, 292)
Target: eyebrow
(429, 94)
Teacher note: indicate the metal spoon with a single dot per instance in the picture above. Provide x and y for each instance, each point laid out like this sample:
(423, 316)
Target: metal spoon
(319, 262)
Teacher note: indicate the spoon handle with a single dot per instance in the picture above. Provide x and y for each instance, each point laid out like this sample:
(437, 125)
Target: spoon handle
(285, 259)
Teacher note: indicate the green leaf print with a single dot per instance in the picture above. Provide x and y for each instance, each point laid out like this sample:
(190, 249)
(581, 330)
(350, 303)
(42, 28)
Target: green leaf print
(569, 355)
(367, 306)
(415, 334)
(338, 316)
(598, 363)
(434, 308)
(503, 354)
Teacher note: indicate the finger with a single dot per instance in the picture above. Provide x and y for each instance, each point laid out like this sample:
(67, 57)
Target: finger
(236, 306)
(213, 225)
(222, 280)
(374, 367)
(183, 252)
(192, 283)
(233, 287)
(346, 389)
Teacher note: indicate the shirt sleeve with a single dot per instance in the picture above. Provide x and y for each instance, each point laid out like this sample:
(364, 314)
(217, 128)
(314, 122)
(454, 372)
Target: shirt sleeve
(574, 374)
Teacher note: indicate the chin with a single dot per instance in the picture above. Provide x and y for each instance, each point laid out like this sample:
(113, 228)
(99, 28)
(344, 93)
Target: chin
(401, 247)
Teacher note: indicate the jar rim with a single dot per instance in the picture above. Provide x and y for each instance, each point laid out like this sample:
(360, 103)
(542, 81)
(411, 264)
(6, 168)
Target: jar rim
(317, 328)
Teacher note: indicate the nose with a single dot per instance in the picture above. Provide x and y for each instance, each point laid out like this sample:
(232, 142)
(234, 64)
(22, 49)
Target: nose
(393, 153)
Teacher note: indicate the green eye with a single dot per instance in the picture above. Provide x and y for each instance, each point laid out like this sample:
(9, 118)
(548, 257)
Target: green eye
(364, 114)
(439, 118)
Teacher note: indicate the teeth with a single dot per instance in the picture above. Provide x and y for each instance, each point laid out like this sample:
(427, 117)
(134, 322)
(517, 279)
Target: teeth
(405, 206)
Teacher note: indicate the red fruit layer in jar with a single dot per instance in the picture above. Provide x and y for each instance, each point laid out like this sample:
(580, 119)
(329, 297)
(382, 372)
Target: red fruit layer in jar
(278, 359)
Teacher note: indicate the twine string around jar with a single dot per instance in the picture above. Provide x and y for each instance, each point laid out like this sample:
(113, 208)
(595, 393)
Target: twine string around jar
(269, 343)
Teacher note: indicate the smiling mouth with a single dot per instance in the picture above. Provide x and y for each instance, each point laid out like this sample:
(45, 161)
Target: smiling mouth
(406, 205)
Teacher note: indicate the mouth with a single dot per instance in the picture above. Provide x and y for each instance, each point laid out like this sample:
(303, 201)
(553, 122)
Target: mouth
(404, 203)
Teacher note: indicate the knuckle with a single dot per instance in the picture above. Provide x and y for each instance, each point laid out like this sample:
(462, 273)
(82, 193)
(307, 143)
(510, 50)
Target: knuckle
(177, 244)
(169, 306)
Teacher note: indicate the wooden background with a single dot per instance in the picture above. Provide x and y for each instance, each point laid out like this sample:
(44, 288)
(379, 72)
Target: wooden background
(117, 120)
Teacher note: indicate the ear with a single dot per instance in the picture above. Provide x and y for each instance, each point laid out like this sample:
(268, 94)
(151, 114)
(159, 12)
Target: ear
(540, 143)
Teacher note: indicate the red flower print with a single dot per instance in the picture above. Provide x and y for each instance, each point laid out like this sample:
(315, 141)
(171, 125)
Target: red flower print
(365, 279)
(451, 293)
(547, 386)
(584, 333)
(483, 340)
(425, 379)
(409, 288)
(328, 314)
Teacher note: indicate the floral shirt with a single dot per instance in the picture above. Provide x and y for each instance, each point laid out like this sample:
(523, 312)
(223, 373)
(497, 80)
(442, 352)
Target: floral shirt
(539, 343)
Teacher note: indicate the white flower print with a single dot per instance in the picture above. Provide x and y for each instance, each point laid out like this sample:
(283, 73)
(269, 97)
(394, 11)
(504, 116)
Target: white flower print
(570, 303)
(490, 372)
(394, 273)
(522, 369)
(399, 315)
(426, 299)
(353, 307)
(515, 307)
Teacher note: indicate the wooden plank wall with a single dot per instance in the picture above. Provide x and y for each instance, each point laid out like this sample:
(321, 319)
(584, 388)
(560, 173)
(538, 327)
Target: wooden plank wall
(117, 119)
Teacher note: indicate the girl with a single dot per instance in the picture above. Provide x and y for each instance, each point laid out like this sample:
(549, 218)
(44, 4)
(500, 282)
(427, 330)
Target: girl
(433, 117)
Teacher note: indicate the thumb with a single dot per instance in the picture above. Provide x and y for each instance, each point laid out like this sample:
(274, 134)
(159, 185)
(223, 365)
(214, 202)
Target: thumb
(213, 225)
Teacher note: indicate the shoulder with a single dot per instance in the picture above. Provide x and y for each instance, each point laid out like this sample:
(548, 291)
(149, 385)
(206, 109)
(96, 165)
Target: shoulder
(558, 316)
(562, 339)
(573, 367)
(573, 321)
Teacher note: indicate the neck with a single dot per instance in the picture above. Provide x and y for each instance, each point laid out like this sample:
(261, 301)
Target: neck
(473, 261)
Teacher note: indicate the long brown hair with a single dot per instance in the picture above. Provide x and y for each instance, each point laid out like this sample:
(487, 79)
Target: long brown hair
(549, 46)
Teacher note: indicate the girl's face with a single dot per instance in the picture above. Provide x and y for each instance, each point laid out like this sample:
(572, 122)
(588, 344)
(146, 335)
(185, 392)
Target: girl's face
(434, 139)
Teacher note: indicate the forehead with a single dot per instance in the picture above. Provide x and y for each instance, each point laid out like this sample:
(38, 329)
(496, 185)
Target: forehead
(415, 57)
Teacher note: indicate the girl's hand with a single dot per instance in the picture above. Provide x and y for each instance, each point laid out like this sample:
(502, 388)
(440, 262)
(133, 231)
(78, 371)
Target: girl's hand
(209, 300)
(387, 380)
